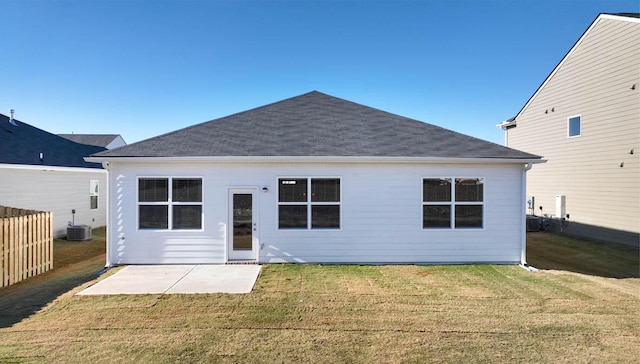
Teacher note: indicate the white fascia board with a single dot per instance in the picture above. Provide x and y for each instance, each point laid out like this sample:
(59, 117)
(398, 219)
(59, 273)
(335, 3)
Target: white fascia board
(619, 17)
(575, 46)
(328, 159)
(503, 125)
(51, 168)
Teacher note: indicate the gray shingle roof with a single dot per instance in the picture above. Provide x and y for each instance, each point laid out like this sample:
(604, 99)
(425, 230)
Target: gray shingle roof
(23, 143)
(319, 125)
(98, 140)
(628, 15)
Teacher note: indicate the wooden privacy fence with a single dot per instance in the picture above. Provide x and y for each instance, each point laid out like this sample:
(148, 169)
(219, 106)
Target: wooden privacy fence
(26, 244)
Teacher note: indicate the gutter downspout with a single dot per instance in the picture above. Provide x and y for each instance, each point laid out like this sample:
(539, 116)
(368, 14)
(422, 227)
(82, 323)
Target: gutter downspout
(108, 265)
(523, 220)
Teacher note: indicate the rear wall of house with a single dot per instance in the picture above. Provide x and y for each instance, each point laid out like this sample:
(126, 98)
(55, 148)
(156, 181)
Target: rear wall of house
(381, 215)
(598, 171)
(59, 191)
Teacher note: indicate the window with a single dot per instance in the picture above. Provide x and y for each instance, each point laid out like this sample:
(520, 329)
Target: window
(573, 126)
(178, 207)
(309, 203)
(452, 203)
(93, 194)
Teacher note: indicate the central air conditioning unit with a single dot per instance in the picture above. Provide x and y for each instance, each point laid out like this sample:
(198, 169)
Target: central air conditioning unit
(78, 232)
(534, 223)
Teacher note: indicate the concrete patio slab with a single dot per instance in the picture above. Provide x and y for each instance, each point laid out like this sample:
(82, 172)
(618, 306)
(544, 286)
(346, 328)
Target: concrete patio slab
(160, 279)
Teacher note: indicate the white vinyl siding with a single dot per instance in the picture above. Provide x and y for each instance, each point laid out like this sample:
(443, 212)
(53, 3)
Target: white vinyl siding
(596, 171)
(380, 208)
(56, 189)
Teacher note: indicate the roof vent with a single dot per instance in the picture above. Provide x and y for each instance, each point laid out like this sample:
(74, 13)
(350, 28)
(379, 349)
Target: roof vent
(11, 121)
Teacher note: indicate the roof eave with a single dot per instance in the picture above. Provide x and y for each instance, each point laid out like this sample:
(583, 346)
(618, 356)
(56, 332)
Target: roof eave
(506, 124)
(316, 159)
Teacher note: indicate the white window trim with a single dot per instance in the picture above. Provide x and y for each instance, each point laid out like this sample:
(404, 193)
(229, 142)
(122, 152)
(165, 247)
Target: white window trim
(453, 203)
(569, 126)
(169, 203)
(308, 203)
(96, 194)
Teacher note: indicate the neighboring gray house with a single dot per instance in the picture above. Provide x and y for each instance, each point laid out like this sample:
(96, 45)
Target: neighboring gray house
(318, 179)
(585, 120)
(42, 171)
(108, 141)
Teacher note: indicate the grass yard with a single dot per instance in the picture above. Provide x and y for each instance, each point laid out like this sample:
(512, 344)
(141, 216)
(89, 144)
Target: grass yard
(312, 313)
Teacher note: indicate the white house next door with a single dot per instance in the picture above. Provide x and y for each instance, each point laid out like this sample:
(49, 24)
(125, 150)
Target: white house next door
(243, 225)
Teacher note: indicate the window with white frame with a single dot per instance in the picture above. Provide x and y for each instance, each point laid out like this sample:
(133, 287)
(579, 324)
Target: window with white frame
(170, 203)
(452, 203)
(309, 203)
(573, 126)
(93, 194)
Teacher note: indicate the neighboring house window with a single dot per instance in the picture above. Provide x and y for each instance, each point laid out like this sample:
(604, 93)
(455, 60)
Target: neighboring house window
(93, 194)
(574, 126)
(452, 203)
(309, 203)
(170, 203)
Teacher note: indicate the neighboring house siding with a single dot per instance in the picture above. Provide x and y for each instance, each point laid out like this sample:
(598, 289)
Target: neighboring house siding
(595, 82)
(55, 189)
(381, 215)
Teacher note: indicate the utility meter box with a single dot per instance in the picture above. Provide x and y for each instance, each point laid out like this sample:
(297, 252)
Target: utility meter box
(561, 206)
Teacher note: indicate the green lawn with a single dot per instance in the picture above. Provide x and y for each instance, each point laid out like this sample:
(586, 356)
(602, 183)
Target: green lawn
(313, 313)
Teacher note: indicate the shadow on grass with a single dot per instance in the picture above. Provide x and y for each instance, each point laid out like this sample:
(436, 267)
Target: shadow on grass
(23, 299)
(561, 252)
(75, 263)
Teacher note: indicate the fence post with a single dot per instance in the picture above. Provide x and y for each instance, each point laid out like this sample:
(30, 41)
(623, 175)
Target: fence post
(39, 243)
(50, 239)
(3, 256)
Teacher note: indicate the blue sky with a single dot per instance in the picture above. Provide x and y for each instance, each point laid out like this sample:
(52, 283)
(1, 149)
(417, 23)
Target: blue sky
(143, 68)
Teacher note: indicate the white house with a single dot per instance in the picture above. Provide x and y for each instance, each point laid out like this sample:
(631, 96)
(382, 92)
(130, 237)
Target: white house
(315, 179)
(42, 171)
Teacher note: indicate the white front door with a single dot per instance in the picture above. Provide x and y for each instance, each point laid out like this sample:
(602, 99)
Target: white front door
(243, 225)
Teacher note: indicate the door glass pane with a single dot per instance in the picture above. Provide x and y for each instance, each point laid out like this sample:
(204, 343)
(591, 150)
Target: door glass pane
(242, 221)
